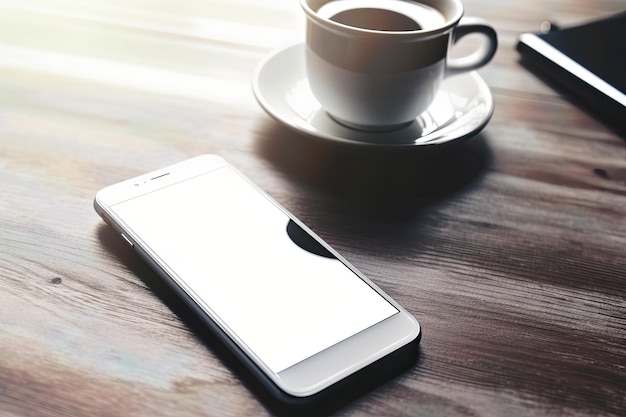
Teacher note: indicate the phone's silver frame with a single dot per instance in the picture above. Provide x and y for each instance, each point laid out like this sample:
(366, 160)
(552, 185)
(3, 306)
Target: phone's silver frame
(309, 376)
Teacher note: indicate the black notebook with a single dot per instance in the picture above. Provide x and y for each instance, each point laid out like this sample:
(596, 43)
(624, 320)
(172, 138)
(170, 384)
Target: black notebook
(588, 61)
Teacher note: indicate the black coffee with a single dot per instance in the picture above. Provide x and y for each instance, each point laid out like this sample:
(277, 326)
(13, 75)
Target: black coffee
(376, 19)
(383, 15)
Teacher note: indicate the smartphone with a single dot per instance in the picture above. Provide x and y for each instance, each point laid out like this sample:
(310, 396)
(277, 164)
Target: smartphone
(587, 60)
(300, 318)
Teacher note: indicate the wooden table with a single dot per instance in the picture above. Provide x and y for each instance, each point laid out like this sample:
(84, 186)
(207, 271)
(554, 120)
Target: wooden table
(509, 249)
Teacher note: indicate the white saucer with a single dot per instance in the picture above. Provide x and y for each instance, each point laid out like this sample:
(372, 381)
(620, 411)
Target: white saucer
(462, 107)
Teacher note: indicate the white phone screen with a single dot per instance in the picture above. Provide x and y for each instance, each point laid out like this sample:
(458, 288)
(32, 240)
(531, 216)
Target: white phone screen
(229, 247)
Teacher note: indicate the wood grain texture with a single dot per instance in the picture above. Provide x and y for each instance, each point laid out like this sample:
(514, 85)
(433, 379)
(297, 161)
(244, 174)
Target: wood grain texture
(509, 249)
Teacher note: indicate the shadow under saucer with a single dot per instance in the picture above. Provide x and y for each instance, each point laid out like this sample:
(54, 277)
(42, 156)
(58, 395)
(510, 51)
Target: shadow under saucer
(379, 182)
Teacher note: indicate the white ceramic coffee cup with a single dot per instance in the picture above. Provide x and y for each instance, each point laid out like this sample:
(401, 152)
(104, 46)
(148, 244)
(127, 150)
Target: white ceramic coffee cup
(382, 78)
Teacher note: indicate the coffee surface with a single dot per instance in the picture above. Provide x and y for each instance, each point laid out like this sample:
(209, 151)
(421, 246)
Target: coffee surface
(383, 15)
(376, 19)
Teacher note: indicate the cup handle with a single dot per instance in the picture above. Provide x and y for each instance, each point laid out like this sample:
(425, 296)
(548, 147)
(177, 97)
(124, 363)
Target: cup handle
(480, 57)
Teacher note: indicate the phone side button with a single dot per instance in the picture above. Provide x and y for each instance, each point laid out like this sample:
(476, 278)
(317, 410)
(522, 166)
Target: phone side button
(131, 244)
